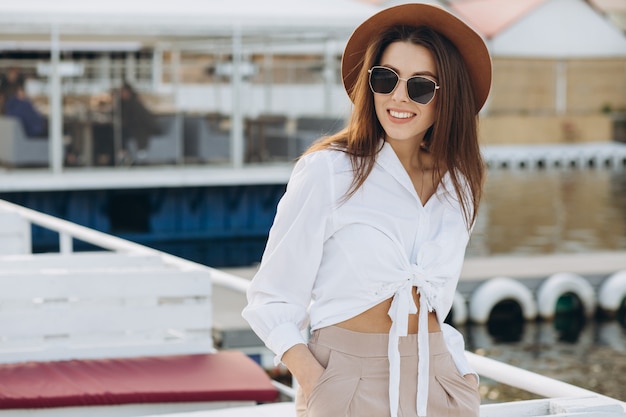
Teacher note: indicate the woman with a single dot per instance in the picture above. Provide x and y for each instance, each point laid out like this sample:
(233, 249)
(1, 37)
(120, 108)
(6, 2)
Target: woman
(138, 124)
(369, 239)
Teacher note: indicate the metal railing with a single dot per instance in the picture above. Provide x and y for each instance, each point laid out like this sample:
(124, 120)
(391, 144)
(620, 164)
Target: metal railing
(489, 368)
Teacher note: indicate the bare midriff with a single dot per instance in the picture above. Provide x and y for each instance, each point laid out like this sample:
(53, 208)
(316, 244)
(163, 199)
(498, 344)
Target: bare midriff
(376, 319)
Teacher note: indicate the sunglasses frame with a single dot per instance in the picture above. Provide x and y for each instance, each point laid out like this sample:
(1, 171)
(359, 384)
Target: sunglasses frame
(406, 80)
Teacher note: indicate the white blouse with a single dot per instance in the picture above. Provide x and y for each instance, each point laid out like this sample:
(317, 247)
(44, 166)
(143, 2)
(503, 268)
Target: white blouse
(328, 259)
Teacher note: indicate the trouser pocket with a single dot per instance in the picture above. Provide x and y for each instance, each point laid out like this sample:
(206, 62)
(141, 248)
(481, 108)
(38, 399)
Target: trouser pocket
(451, 395)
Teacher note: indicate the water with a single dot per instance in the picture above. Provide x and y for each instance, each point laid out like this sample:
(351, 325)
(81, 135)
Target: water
(551, 211)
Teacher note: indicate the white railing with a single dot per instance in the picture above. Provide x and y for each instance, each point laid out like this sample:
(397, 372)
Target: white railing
(526, 380)
(69, 231)
(489, 368)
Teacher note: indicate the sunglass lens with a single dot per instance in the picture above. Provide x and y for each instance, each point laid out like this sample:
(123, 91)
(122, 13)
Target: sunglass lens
(421, 90)
(382, 80)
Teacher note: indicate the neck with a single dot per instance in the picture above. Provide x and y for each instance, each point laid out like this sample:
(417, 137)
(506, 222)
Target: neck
(412, 157)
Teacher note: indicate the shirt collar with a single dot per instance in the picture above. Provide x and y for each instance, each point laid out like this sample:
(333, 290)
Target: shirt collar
(389, 161)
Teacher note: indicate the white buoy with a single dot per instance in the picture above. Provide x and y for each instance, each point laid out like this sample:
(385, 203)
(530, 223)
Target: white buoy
(612, 292)
(496, 290)
(557, 285)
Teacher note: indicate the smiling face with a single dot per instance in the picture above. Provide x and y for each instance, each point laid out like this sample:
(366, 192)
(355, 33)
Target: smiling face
(401, 118)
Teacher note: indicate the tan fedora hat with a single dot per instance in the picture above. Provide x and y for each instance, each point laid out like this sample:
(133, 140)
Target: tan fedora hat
(469, 43)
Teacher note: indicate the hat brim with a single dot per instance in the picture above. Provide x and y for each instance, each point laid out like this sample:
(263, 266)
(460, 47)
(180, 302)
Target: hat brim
(468, 42)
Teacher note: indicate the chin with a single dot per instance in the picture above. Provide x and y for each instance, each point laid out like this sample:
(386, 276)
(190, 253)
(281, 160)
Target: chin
(403, 137)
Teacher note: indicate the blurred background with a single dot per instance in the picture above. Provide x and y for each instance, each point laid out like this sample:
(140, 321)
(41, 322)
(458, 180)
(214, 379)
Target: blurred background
(176, 125)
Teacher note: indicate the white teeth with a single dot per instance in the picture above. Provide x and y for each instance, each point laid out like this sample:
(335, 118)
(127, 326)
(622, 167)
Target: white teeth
(400, 115)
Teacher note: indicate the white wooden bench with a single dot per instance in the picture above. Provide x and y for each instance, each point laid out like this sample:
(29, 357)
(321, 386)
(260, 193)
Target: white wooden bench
(82, 333)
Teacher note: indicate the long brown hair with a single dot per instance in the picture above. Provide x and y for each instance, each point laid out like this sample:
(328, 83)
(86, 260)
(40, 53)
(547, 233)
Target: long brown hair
(453, 137)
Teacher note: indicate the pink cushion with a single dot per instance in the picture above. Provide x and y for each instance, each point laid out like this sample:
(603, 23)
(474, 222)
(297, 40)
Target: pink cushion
(222, 376)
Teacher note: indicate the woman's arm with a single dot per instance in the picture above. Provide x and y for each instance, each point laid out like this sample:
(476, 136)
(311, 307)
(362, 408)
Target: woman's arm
(280, 293)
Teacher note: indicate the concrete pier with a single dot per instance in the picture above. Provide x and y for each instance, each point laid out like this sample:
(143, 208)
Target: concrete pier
(539, 266)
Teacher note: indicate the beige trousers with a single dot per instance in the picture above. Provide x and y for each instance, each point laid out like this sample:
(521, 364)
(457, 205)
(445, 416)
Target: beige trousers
(356, 380)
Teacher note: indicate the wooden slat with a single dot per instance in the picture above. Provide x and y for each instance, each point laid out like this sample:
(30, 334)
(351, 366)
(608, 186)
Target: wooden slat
(69, 352)
(77, 261)
(64, 321)
(100, 284)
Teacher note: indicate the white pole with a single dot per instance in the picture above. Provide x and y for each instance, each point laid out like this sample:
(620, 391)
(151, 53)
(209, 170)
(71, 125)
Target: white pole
(236, 133)
(55, 127)
(66, 244)
(175, 69)
(561, 87)
(130, 69)
(268, 65)
(330, 75)
(157, 68)
(104, 71)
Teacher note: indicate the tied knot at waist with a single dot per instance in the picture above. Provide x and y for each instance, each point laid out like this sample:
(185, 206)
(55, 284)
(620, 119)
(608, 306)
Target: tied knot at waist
(427, 283)
(402, 305)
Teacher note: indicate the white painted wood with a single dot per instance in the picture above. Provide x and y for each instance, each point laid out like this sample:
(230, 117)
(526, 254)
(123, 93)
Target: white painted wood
(108, 349)
(65, 321)
(284, 409)
(556, 407)
(126, 410)
(77, 313)
(59, 312)
(14, 234)
(102, 284)
(595, 404)
(78, 260)
(582, 406)
(529, 408)
(133, 337)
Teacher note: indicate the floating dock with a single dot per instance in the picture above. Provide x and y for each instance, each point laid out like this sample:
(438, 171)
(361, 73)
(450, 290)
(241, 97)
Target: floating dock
(575, 155)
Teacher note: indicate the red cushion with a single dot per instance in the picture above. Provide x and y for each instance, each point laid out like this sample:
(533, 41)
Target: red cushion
(222, 376)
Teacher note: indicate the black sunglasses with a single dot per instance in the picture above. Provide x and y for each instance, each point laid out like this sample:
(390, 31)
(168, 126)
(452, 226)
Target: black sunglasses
(420, 89)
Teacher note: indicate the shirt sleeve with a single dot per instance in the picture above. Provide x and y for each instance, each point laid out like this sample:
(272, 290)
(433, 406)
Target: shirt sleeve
(456, 241)
(456, 345)
(280, 293)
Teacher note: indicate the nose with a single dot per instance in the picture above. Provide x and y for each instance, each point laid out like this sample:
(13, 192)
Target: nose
(401, 92)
